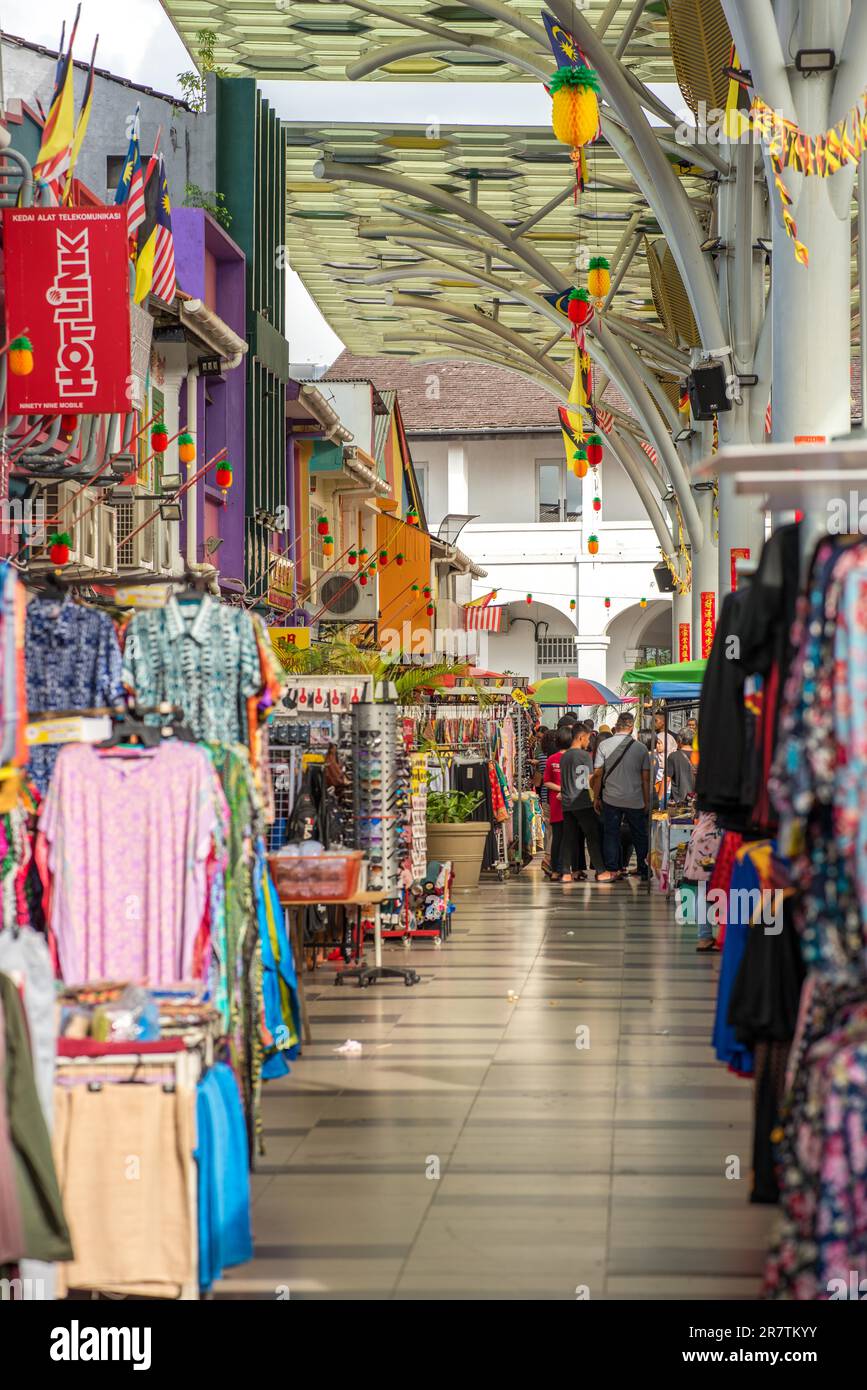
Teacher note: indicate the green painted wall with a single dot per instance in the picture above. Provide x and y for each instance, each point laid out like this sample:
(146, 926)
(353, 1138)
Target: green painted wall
(251, 173)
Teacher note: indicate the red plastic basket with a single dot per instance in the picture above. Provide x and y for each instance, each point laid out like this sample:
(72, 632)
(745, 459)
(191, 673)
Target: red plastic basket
(330, 877)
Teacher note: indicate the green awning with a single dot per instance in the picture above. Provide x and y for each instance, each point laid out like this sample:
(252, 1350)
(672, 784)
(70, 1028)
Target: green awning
(684, 671)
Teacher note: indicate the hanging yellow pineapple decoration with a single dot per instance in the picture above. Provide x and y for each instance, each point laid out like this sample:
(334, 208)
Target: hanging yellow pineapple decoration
(598, 278)
(579, 463)
(575, 110)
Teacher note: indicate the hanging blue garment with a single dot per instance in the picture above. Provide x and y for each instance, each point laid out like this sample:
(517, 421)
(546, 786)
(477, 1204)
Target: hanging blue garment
(225, 1234)
(751, 874)
(279, 982)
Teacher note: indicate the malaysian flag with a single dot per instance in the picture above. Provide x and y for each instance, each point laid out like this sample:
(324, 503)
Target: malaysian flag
(649, 450)
(165, 284)
(58, 133)
(155, 262)
(130, 190)
(604, 419)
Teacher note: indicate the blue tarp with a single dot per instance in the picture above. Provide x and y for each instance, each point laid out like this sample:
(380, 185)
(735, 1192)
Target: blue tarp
(675, 690)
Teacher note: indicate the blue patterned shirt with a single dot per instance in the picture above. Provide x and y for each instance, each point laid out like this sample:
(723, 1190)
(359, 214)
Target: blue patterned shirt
(202, 657)
(72, 662)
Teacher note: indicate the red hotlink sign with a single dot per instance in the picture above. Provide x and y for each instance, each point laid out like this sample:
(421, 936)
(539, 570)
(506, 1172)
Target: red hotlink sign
(67, 289)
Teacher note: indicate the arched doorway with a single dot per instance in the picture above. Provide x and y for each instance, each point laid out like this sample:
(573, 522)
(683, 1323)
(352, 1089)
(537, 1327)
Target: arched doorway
(636, 635)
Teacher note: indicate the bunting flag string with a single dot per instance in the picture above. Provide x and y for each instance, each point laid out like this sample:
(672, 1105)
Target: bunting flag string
(812, 155)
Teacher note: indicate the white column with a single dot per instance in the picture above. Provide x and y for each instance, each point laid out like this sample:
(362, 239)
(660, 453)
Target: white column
(192, 501)
(681, 612)
(705, 573)
(458, 479)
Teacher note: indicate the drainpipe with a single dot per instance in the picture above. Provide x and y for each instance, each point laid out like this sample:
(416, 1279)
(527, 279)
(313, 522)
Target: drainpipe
(193, 494)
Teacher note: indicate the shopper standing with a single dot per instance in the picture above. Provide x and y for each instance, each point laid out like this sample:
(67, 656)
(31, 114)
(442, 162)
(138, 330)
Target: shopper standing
(576, 771)
(552, 784)
(621, 788)
(679, 768)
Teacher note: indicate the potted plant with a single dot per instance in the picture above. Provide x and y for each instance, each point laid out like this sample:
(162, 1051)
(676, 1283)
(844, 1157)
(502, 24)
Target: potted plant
(453, 836)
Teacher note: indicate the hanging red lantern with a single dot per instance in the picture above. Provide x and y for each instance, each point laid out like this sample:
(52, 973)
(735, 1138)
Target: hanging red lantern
(68, 424)
(362, 579)
(398, 559)
(383, 556)
(593, 545)
(352, 557)
(594, 449)
(429, 610)
(328, 547)
(225, 476)
(579, 308)
(597, 504)
(186, 447)
(159, 437)
(529, 598)
(607, 603)
(427, 591)
(322, 526)
(59, 546)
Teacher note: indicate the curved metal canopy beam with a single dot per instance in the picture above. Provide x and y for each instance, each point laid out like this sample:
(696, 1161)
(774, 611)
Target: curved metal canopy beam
(332, 170)
(472, 43)
(666, 196)
(619, 447)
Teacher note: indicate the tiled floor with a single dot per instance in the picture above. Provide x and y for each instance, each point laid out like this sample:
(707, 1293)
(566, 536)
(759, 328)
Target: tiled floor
(474, 1151)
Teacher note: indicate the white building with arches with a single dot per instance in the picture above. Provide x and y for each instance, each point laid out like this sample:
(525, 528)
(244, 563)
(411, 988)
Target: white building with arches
(488, 453)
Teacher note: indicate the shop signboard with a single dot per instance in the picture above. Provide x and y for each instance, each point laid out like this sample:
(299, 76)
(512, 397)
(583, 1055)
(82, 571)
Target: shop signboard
(683, 642)
(708, 621)
(67, 290)
(289, 639)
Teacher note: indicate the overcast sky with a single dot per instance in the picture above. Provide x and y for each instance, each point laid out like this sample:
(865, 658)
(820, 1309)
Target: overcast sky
(138, 41)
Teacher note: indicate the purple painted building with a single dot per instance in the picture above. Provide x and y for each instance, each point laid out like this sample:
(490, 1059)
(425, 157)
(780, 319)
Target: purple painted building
(210, 268)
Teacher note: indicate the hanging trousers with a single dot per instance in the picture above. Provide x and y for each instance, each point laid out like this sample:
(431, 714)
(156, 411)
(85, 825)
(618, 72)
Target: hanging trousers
(575, 821)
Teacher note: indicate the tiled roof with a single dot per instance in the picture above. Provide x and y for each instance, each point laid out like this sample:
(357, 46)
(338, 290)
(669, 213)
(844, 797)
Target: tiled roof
(469, 396)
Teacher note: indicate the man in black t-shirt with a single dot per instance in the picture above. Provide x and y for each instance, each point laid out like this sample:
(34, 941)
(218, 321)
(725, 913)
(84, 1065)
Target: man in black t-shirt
(680, 769)
(576, 769)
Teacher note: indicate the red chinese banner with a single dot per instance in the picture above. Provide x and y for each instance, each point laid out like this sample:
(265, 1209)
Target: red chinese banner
(67, 288)
(739, 553)
(683, 642)
(708, 621)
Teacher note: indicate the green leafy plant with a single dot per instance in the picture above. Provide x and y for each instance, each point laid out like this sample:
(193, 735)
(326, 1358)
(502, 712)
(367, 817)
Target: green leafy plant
(452, 808)
(194, 84)
(214, 203)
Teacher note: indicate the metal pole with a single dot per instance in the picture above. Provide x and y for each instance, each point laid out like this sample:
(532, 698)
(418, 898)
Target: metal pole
(862, 283)
(520, 743)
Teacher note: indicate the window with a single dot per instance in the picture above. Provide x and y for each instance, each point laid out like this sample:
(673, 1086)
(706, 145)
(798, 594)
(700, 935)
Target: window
(654, 656)
(556, 651)
(421, 470)
(317, 554)
(558, 491)
(114, 168)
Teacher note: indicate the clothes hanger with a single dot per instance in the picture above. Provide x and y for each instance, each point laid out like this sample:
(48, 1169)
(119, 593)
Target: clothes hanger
(130, 731)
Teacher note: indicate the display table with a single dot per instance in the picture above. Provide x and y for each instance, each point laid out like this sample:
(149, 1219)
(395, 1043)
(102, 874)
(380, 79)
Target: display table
(365, 974)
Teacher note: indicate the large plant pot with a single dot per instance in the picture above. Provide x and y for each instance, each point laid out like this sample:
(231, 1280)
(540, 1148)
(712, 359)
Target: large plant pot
(463, 845)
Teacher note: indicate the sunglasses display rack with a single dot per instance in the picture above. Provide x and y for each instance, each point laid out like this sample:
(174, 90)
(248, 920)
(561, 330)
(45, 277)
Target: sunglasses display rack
(381, 819)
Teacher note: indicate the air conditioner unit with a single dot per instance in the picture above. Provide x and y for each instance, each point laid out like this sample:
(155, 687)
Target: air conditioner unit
(107, 539)
(135, 552)
(167, 552)
(86, 530)
(341, 596)
(56, 508)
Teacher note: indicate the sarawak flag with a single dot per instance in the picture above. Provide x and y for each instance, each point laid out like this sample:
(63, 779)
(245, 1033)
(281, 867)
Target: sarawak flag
(83, 121)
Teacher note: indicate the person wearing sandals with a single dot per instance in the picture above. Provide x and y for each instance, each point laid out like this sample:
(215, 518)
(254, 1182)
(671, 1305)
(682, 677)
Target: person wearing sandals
(576, 770)
(551, 782)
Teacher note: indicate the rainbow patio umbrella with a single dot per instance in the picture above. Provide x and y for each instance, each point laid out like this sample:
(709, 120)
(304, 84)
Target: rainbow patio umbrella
(575, 690)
